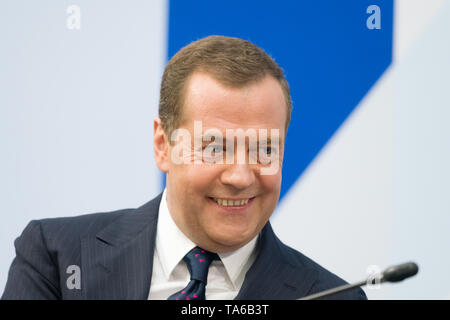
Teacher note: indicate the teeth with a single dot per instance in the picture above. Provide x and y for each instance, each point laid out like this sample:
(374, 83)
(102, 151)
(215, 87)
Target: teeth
(231, 203)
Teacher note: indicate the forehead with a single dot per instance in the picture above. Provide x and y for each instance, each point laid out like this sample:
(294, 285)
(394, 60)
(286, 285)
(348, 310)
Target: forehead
(257, 105)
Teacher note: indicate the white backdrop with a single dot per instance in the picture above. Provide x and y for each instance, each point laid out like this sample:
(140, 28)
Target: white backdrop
(76, 111)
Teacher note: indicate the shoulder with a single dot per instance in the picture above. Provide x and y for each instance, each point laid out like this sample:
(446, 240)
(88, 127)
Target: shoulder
(80, 225)
(68, 230)
(325, 278)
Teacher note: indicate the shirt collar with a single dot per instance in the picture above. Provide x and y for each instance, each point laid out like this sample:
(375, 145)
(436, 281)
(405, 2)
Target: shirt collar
(172, 245)
(239, 261)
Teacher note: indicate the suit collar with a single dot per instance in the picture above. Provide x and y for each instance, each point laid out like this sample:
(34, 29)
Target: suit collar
(129, 226)
(276, 274)
(117, 262)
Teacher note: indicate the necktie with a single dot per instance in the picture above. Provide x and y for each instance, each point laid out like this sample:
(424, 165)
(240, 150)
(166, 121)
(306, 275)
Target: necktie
(198, 262)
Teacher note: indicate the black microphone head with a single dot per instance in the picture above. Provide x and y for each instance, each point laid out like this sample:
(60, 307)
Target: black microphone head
(400, 272)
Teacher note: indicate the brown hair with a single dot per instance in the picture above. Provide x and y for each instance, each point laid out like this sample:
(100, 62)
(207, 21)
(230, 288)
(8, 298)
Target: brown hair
(232, 61)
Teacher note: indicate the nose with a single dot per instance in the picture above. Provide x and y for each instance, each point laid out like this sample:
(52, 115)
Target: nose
(240, 176)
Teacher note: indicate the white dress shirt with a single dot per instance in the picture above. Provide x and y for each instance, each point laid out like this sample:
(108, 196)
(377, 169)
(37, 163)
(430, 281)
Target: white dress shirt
(170, 273)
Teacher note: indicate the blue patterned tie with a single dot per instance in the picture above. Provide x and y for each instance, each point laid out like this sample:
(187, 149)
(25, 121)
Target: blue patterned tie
(198, 261)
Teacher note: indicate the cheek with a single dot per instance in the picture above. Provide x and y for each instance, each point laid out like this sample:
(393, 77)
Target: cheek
(271, 183)
(270, 186)
(194, 181)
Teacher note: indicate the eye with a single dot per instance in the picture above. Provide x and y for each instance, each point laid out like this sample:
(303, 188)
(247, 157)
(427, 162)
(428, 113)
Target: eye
(266, 150)
(213, 148)
(267, 154)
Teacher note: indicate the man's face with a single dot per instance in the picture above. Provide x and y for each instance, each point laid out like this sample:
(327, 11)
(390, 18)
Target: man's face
(196, 191)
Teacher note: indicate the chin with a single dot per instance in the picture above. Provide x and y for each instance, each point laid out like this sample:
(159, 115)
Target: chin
(232, 238)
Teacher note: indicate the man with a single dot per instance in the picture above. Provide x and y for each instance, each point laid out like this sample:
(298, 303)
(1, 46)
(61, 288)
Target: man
(207, 235)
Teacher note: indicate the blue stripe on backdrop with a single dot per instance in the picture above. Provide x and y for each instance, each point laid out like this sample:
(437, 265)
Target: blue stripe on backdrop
(330, 57)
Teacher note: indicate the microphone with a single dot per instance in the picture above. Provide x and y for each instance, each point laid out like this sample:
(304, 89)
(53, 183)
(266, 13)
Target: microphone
(392, 274)
(399, 272)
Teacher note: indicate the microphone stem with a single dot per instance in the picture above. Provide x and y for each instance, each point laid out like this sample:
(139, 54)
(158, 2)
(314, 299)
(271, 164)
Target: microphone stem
(342, 288)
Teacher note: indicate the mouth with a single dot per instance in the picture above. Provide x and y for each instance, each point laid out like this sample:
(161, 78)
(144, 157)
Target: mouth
(232, 203)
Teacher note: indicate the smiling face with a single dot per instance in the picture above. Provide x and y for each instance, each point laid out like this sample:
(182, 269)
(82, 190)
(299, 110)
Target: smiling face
(199, 194)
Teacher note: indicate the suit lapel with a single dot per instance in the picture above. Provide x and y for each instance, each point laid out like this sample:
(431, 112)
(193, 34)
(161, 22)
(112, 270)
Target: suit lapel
(117, 262)
(275, 274)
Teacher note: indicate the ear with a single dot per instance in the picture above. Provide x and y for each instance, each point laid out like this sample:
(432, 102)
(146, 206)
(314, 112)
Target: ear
(160, 146)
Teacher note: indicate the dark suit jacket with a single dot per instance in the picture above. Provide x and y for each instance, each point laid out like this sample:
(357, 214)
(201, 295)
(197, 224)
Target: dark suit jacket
(114, 253)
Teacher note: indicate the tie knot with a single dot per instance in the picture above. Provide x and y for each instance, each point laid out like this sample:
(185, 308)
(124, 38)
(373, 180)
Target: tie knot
(198, 261)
